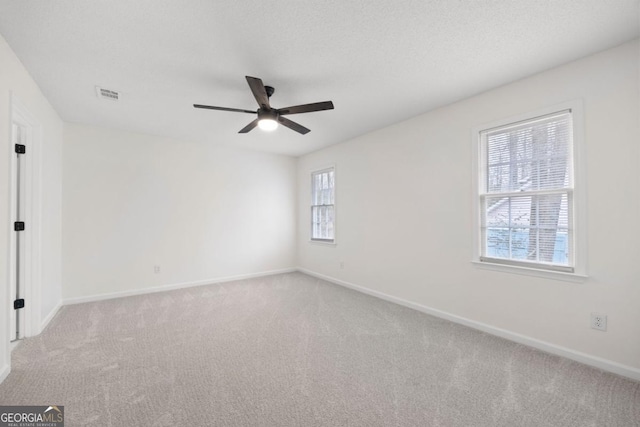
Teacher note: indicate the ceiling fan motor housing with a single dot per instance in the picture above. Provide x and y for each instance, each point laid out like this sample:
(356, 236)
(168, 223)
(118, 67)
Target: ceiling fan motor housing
(267, 114)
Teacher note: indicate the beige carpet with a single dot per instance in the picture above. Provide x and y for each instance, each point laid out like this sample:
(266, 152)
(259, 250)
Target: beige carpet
(292, 350)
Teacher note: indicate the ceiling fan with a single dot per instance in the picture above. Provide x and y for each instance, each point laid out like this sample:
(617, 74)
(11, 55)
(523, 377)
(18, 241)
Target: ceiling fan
(269, 117)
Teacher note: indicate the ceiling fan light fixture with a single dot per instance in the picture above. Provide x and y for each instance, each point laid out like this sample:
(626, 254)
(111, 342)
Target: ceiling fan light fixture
(268, 117)
(268, 124)
(267, 120)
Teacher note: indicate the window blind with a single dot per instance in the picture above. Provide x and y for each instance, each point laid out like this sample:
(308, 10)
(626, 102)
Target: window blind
(323, 205)
(527, 192)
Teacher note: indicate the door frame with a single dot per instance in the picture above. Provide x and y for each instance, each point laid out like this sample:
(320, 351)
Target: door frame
(31, 281)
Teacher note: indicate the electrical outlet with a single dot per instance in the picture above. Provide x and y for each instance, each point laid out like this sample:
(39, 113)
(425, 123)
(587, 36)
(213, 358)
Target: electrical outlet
(156, 269)
(599, 321)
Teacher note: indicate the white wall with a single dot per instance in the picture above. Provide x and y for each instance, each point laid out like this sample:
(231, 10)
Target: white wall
(14, 79)
(404, 212)
(200, 212)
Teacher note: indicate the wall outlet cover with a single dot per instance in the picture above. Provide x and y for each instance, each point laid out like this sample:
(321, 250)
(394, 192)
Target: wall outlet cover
(599, 321)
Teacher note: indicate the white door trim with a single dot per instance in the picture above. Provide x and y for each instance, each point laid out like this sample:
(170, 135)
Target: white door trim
(31, 282)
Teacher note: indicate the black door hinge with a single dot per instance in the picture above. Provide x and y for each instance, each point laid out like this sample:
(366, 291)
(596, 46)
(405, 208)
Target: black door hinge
(21, 149)
(18, 226)
(18, 304)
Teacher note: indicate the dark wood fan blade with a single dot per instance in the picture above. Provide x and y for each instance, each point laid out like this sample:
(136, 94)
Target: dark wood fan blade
(306, 108)
(259, 92)
(211, 107)
(249, 127)
(293, 125)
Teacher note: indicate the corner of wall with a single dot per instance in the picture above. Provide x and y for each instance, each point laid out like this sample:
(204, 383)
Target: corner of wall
(4, 372)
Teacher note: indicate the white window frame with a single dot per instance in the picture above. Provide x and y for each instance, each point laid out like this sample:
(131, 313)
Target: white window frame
(579, 201)
(311, 175)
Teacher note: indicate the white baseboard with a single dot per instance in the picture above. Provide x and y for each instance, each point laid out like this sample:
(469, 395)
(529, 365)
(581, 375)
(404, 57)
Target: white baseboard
(587, 359)
(50, 316)
(4, 372)
(111, 295)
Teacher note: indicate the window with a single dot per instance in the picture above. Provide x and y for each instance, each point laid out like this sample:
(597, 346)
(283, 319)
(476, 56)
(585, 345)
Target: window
(526, 193)
(323, 205)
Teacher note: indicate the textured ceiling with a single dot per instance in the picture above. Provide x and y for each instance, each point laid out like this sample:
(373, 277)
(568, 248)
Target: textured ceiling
(379, 61)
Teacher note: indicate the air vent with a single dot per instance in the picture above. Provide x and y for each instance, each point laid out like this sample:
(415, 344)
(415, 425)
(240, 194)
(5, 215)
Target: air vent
(111, 95)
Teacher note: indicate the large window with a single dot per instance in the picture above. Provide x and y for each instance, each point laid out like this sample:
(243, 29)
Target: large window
(526, 188)
(323, 205)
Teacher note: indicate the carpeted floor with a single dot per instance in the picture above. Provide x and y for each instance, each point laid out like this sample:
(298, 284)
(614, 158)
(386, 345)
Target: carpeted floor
(292, 350)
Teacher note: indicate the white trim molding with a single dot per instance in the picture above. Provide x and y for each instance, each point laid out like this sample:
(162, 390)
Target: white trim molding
(4, 372)
(50, 316)
(169, 287)
(579, 216)
(587, 359)
(312, 172)
(32, 280)
(524, 271)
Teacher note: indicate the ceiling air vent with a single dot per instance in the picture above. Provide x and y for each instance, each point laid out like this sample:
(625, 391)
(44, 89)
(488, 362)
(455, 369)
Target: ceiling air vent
(111, 95)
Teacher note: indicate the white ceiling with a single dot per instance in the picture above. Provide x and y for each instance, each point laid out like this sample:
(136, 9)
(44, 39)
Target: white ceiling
(379, 61)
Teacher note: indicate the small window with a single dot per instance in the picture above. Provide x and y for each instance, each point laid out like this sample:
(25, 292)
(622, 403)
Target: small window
(526, 193)
(323, 205)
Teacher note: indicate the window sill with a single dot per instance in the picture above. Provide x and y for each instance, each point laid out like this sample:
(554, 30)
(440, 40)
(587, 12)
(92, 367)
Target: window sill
(524, 271)
(322, 243)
